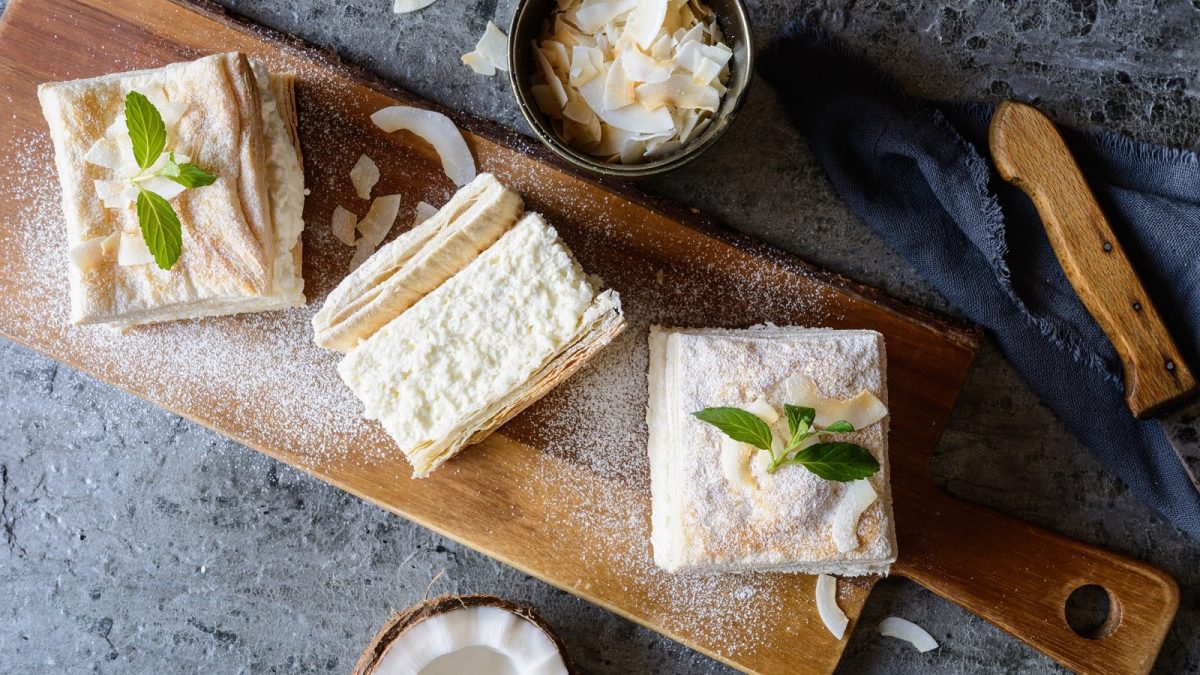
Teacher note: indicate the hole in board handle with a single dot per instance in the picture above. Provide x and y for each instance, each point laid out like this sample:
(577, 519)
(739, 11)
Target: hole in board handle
(1092, 612)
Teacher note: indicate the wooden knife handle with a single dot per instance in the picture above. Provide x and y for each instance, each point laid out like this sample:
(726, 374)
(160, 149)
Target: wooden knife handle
(1030, 153)
(1019, 576)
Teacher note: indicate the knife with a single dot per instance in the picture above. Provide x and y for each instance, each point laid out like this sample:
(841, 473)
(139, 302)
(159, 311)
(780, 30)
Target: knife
(1030, 153)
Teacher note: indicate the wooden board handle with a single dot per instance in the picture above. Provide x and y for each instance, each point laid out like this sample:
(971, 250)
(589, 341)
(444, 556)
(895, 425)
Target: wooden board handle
(1019, 576)
(1030, 153)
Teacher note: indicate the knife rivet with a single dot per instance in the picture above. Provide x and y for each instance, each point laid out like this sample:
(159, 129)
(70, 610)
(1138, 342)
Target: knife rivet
(1137, 306)
(1170, 365)
(1107, 247)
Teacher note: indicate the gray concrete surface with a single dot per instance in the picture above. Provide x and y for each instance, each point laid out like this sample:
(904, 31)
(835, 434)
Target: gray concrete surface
(134, 541)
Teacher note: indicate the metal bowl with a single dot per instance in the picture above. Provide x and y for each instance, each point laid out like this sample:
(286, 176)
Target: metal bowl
(527, 27)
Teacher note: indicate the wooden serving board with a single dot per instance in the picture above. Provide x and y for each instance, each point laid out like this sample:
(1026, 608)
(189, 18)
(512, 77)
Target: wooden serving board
(562, 491)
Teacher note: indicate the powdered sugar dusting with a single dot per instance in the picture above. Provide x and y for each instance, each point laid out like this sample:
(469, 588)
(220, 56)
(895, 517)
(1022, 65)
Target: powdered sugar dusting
(594, 423)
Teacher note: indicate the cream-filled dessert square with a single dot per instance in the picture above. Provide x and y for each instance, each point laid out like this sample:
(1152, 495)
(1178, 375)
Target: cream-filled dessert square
(495, 337)
(716, 508)
(240, 248)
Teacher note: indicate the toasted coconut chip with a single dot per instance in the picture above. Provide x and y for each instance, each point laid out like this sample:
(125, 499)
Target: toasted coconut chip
(593, 17)
(861, 411)
(646, 20)
(577, 110)
(551, 78)
(423, 212)
(706, 71)
(437, 130)
(618, 89)
(364, 176)
(133, 251)
(690, 54)
(859, 496)
(87, 255)
(479, 63)
(547, 100)
(106, 153)
(763, 410)
(557, 54)
(111, 243)
(494, 46)
(111, 192)
(343, 224)
(680, 91)
(831, 615)
(163, 187)
(406, 6)
(587, 63)
(641, 68)
(735, 463)
(375, 226)
(635, 118)
(894, 626)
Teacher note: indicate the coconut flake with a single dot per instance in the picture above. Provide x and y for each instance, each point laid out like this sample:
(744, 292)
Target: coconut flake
(494, 46)
(106, 153)
(860, 494)
(343, 223)
(735, 463)
(635, 118)
(111, 243)
(618, 89)
(423, 212)
(374, 227)
(406, 6)
(491, 52)
(894, 626)
(646, 20)
(861, 411)
(437, 130)
(479, 63)
(592, 17)
(641, 68)
(763, 410)
(831, 615)
(364, 176)
(87, 255)
(163, 187)
(133, 251)
(680, 91)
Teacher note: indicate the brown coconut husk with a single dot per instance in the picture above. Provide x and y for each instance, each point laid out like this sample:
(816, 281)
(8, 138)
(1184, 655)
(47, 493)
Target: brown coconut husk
(414, 615)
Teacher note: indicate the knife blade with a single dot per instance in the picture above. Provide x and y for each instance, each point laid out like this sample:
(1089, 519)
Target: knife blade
(1029, 152)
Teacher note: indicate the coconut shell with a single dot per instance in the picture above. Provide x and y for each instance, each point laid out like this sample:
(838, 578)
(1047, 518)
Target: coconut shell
(414, 615)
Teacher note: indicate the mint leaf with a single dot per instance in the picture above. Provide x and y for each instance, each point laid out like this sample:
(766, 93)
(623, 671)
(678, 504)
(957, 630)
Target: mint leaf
(837, 461)
(739, 425)
(160, 228)
(800, 420)
(838, 427)
(146, 129)
(191, 176)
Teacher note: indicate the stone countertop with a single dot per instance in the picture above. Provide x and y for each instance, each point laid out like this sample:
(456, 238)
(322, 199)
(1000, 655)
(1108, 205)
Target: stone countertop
(135, 541)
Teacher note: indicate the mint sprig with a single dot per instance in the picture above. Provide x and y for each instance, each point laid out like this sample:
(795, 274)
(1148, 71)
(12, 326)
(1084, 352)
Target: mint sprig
(833, 460)
(146, 129)
(739, 425)
(160, 224)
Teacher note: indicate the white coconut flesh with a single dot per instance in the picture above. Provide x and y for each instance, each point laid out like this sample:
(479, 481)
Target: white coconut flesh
(451, 638)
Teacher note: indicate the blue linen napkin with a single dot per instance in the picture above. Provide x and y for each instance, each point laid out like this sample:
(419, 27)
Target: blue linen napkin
(919, 173)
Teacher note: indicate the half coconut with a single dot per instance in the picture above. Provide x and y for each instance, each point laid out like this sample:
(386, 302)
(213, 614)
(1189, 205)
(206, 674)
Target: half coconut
(452, 635)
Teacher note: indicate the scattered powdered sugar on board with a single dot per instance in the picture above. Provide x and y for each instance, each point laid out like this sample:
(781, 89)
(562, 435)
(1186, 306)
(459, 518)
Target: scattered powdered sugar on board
(595, 422)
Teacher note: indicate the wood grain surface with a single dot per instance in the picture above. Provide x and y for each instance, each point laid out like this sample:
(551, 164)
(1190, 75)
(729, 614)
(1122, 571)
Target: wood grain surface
(527, 496)
(1030, 153)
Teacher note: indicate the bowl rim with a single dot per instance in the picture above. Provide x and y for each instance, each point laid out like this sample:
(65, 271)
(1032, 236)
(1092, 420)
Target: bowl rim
(541, 130)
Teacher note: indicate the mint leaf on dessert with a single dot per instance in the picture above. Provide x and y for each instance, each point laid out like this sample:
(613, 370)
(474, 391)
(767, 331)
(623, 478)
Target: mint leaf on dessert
(837, 461)
(838, 427)
(800, 420)
(187, 174)
(192, 176)
(739, 425)
(160, 228)
(146, 129)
